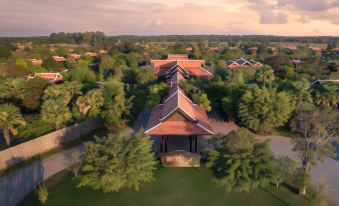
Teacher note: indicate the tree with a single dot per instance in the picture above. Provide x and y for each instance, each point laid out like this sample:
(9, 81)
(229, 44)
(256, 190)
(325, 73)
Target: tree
(33, 93)
(317, 129)
(145, 76)
(241, 163)
(202, 100)
(90, 103)
(327, 95)
(22, 63)
(116, 105)
(156, 93)
(265, 75)
(262, 109)
(319, 195)
(10, 117)
(13, 87)
(66, 91)
(55, 111)
(114, 162)
(42, 194)
(301, 93)
(5, 52)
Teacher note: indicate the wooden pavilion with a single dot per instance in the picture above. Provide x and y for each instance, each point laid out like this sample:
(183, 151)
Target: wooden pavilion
(177, 115)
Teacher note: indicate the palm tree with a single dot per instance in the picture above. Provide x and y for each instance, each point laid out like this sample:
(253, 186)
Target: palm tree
(301, 92)
(327, 95)
(10, 117)
(13, 87)
(55, 111)
(265, 75)
(65, 91)
(90, 102)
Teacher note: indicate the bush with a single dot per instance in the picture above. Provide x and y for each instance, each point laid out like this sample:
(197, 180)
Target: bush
(42, 194)
(35, 127)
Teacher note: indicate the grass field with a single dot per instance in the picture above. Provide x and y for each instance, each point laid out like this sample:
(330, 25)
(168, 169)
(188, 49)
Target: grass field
(173, 187)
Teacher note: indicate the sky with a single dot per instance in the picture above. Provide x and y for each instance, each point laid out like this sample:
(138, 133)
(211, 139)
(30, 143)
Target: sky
(156, 17)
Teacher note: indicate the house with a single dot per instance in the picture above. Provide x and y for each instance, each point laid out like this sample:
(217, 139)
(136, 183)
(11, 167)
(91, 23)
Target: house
(315, 49)
(75, 56)
(91, 54)
(189, 49)
(292, 48)
(180, 62)
(243, 63)
(103, 51)
(336, 50)
(52, 77)
(36, 62)
(59, 59)
(296, 61)
(273, 49)
(336, 81)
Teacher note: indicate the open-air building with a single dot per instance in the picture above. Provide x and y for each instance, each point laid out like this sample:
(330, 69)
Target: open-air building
(243, 63)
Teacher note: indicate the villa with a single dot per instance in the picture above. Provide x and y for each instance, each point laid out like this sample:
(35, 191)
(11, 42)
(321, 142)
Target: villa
(51, 77)
(59, 59)
(36, 62)
(75, 56)
(243, 63)
(91, 54)
(188, 67)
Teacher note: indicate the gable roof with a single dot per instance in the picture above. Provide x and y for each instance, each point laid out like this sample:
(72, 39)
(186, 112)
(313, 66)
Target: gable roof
(242, 62)
(177, 101)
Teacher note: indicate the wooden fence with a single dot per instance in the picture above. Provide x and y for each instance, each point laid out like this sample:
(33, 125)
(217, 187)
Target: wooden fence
(27, 150)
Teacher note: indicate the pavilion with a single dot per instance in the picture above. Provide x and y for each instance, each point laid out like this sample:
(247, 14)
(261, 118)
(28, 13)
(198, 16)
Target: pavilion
(177, 115)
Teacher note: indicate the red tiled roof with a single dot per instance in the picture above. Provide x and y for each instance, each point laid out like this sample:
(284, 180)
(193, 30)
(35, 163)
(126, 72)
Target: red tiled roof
(177, 57)
(193, 67)
(75, 56)
(36, 62)
(59, 59)
(52, 77)
(175, 79)
(91, 54)
(196, 122)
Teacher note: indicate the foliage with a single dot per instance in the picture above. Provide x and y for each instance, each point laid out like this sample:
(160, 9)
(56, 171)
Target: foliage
(265, 75)
(42, 194)
(240, 163)
(262, 109)
(10, 118)
(82, 75)
(35, 127)
(66, 92)
(145, 76)
(317, 129)
(12, 88)
(301, 93)
(5, 52)
(327, 95)
(156, 93)
(90, 104)
(32, 96)
(50, 64)
(319, 196)
(22, 63)
(198, 96)
(114, 162)
(54, 111)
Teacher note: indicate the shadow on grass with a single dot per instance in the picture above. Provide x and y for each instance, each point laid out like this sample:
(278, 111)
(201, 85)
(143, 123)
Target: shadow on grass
(275, 196)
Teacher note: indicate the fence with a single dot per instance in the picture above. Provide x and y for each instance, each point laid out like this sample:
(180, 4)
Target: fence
(27, 150)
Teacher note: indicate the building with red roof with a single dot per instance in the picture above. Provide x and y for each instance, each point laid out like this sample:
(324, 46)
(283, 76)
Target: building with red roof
(36, 62)
(59, 59)
(194, 68)
(177, 115)
(51, 77)
(315, 49)
(243, 63)
(75, 56)
(91, 54)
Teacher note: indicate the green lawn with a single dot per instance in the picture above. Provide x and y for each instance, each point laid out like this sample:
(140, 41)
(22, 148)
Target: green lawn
(173, 187)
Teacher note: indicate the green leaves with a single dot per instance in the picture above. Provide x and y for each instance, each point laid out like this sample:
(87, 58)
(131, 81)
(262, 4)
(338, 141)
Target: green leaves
(113, 162)
(240, 163)
(263, 109)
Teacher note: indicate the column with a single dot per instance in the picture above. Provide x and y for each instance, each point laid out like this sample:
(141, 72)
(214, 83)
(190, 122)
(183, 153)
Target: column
(166, 139)
(196, 144)
(190, 137)
(161, 143)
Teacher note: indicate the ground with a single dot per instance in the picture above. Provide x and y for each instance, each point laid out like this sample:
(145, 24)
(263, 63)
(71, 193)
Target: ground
(173, 186)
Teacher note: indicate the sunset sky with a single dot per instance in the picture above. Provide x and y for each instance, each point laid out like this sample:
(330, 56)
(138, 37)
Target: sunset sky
(150, 17)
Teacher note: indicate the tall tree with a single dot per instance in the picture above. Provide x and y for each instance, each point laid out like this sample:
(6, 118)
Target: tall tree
(262, 109)
(114, 162)
(317, 129)
(10, 117)
(241, 163)
(90, 103)
(327, 95)
(66, 91)
(265, 75)
(55, 111)
(13, 87)
(33, 93)
(301, 93)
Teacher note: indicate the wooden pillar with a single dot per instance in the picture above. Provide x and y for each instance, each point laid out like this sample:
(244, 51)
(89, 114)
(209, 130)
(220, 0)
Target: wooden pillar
(161, 143)
(196, 143)
(190, 143)
(166, 139)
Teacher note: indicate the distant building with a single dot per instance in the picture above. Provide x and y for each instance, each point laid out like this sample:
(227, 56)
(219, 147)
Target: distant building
(75, 56)
(180, 62)
(36, 62)
(292, 48)
(336, 50)
(243, 63)
(189, 49)
(103, 51)
(319, 81)
(91, 54)
(59, 59)
(296, 61)
(315, 49)
(51, 77)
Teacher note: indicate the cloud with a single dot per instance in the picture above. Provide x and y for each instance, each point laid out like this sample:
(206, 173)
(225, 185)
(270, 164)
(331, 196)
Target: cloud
(309, 5)
(269, 17)
(303, 19)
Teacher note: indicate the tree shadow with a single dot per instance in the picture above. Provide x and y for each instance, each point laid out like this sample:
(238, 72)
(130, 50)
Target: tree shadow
(275, 196)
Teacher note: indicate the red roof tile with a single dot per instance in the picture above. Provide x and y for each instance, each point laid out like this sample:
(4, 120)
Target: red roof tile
(177, 57)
